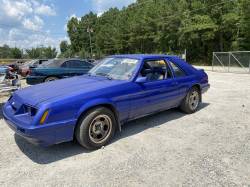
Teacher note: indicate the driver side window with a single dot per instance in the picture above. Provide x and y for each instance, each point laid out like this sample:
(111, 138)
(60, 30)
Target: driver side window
(65, 64)
(155, 70)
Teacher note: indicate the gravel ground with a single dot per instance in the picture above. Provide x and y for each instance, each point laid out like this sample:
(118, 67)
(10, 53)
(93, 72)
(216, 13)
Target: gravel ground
(208, 148)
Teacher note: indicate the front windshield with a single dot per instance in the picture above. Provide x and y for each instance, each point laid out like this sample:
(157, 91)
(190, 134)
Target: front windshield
(115, 68)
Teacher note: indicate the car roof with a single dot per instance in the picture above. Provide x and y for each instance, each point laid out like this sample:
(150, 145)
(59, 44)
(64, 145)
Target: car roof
(143, 56)
(189, 69)
(76, 59)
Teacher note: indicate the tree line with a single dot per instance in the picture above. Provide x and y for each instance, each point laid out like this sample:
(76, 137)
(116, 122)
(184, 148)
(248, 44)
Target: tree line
(153, 26)
(162, 26)
(33, 53)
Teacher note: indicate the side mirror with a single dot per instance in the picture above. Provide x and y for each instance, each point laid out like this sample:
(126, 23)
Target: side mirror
(141, 80)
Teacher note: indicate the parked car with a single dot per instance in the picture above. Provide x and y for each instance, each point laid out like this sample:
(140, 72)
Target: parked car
(6, 70)
(24, 69)
(92, 107)
(9, 81)
(14, 66)
(58, 69)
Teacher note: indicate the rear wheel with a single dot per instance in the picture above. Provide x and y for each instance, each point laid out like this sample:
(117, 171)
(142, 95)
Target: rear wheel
(96, 128)
(48, 79)
(191, 102)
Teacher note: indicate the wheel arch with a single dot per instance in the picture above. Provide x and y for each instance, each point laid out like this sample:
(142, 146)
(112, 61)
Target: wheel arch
(98, 103)
(198, 86)
(47, 76)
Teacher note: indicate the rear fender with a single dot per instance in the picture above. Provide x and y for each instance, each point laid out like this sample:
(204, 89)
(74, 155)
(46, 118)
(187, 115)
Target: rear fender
(199, 87)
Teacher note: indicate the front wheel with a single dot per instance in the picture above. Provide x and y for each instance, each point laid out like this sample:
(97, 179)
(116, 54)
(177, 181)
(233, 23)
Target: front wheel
(49, 79)
(191, 102)
(96, 128)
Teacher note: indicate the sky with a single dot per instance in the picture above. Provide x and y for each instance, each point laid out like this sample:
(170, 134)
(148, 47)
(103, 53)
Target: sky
(32, 23)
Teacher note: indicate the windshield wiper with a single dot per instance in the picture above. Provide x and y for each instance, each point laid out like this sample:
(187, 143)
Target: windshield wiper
(105, 75)
(89, 74)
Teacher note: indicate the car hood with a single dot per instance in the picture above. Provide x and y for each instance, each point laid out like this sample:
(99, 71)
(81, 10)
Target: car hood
(36, 94)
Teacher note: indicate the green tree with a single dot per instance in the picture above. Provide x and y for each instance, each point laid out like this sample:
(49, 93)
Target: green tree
(34, 53)
(64, 46)
(42, 52)
(49, 52)
(244, 25)
(165, 26)
(68, 54)
(16, 53)
(5, 51)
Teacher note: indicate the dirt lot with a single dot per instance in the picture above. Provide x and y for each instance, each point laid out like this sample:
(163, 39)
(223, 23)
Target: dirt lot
(210, 147)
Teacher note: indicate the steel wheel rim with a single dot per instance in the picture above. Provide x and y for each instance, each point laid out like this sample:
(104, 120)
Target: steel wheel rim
(50, 79)
(194, 100)
(100, 129)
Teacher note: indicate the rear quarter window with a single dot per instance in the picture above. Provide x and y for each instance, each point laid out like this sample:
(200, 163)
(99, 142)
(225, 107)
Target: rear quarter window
(178, 72)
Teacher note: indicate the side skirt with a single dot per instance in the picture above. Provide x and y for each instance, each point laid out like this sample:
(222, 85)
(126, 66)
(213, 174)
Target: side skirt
(149, 114)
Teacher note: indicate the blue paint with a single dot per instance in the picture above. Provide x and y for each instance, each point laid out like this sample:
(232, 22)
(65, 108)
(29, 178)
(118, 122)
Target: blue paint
(68, 99)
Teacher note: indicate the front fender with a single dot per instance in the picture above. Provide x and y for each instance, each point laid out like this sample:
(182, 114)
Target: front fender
(93, 103)
(98, 102)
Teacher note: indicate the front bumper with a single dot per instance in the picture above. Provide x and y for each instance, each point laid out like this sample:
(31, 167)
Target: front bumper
(44, 135)
(23, 133)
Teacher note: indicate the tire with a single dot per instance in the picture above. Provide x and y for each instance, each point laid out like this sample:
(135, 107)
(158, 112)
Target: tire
(191, 102)
(96, 128)
(48, 79)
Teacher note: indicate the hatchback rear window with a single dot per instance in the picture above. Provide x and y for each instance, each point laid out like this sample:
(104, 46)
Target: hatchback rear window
(178, 72)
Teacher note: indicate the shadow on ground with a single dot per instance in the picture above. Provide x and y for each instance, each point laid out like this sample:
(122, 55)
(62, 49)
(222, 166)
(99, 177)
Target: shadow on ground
(152, 121)
(1, 110)
(55, 153)
(46, 155)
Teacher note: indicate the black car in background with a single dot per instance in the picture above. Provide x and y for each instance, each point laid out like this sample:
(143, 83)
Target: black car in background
(58, 69)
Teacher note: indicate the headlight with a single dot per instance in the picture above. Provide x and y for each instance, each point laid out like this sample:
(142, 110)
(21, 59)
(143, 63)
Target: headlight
(30, 110)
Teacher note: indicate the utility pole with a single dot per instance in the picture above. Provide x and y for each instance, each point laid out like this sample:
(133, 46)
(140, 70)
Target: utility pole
(90, 30)
(184, 56)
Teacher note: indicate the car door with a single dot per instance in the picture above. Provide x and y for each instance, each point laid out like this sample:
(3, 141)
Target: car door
(65, 70)
(78, 67)
(159, 92)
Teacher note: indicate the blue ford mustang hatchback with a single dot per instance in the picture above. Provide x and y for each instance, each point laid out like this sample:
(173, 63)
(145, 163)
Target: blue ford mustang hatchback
(93, 106)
